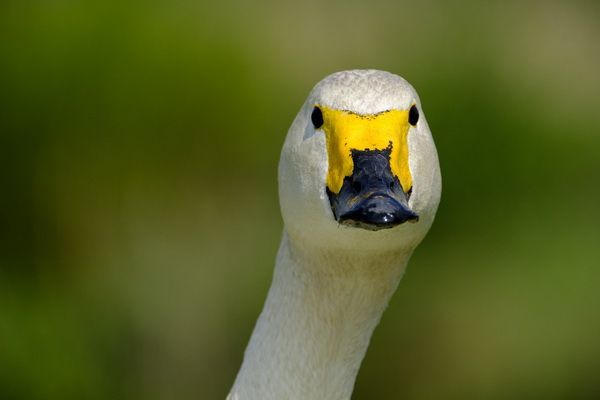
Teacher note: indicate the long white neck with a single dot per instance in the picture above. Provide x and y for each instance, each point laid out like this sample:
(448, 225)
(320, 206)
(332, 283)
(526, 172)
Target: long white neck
(316, 324)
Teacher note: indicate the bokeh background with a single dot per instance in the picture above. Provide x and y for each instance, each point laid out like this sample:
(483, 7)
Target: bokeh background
(139, 214)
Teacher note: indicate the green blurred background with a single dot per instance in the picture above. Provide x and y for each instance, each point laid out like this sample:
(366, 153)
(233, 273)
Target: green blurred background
(139, 214)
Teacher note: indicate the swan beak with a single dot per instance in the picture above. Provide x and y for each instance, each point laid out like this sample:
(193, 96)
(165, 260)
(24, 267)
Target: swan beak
(372, 197)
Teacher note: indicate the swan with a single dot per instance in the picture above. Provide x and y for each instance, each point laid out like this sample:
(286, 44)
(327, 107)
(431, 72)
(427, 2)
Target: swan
(359, 186)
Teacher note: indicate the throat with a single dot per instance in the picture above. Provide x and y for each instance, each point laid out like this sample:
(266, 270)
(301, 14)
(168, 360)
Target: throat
(316, 324)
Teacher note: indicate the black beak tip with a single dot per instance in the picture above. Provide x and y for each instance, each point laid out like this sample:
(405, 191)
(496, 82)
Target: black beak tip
(377, 214)
(372, 197)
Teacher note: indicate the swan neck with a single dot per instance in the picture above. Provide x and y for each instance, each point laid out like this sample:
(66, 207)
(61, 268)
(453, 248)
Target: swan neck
(315, 327)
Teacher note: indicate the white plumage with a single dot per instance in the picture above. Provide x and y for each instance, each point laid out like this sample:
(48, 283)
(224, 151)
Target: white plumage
(332, 282)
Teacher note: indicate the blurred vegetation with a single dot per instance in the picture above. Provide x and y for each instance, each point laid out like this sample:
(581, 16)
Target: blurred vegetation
(139, 208)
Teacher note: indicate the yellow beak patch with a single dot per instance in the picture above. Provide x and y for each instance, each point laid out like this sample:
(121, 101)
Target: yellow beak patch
(346, 131)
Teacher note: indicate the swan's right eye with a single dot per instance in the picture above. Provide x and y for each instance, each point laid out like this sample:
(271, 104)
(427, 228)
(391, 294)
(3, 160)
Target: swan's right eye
(317, 117)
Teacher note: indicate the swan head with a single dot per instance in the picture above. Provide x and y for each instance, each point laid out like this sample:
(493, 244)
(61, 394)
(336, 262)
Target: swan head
(359, 169)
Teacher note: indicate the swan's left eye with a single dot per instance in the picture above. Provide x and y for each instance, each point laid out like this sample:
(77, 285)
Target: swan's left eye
(413, 115)
(317, 117)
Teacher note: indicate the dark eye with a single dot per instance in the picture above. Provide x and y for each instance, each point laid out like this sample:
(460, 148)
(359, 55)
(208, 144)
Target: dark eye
(317, 117)
(413, 115)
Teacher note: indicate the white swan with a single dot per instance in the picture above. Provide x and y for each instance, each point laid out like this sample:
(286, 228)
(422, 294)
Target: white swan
(358, 159)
